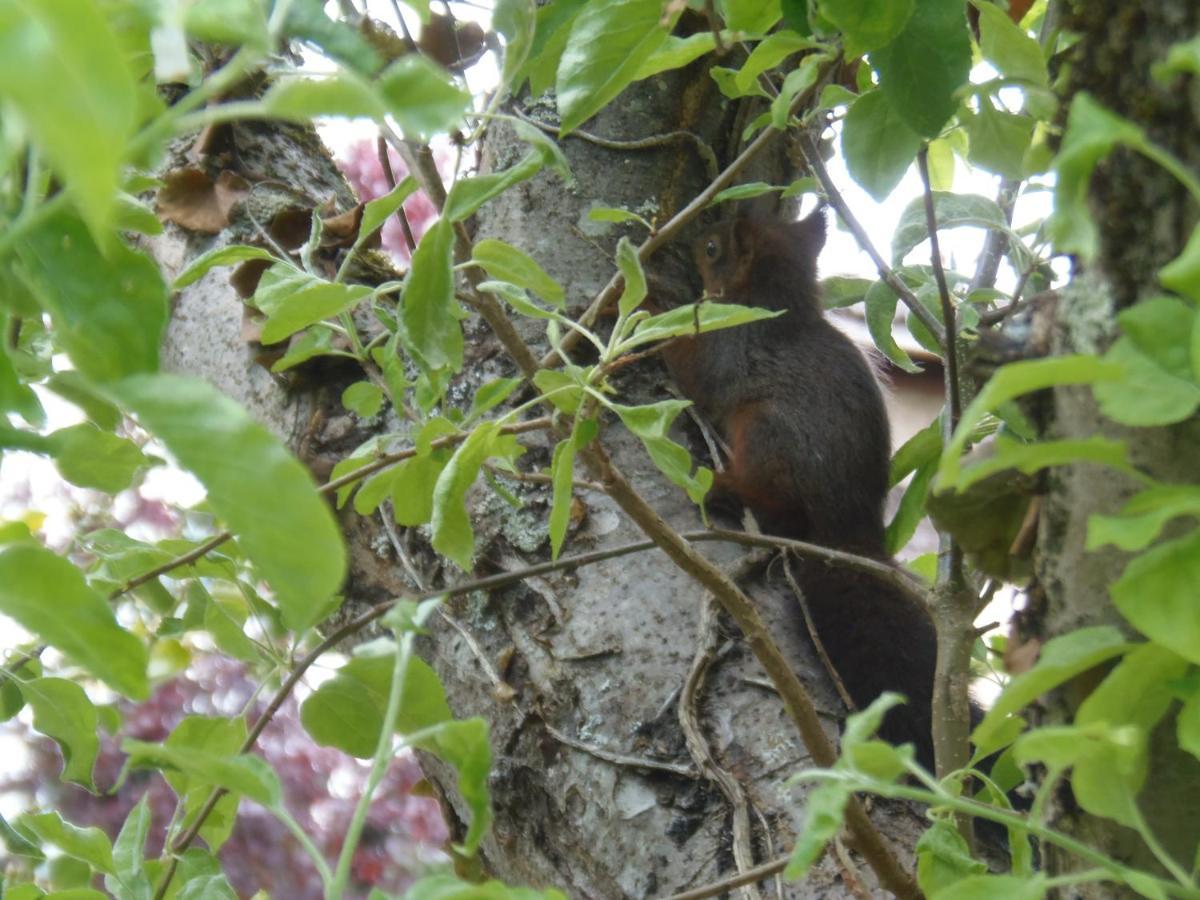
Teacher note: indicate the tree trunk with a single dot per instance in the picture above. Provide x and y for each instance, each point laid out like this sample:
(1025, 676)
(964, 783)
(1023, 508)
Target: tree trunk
(1144, 217)
(579, 673)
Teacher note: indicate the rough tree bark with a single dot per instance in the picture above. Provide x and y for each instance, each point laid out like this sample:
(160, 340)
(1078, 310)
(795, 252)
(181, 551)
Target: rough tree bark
(579, 673)
(1144, 218)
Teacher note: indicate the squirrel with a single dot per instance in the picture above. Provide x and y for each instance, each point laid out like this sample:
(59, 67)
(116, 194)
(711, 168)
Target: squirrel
(802, 414)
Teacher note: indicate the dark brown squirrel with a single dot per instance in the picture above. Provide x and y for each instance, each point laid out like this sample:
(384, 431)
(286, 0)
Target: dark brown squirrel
(803, 416)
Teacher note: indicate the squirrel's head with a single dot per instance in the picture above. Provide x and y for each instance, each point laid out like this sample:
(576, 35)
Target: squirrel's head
(731, 254)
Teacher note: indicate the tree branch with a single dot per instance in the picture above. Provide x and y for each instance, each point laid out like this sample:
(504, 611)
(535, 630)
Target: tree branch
(838, 202)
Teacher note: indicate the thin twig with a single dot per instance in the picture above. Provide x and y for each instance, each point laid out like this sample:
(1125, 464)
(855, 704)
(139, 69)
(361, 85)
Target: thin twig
(838, 202)
(751, 876)
(950, 339)
(385, 163)
(996, 241)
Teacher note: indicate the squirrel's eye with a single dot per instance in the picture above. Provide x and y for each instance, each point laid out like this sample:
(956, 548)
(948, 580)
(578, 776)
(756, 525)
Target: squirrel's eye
(710, 249)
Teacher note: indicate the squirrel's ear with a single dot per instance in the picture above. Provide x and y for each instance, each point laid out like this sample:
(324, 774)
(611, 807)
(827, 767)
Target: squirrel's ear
(811, 230)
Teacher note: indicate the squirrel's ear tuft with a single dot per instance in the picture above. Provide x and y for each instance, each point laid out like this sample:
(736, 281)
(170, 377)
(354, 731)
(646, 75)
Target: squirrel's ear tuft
(811, 230)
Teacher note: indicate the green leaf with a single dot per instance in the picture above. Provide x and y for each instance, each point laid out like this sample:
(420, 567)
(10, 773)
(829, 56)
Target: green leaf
(221, 256)
(428, 306)
(767, 54)
(676, 53)
(630, 266)
(490, 395)
(292, 299)
(867, 25)
(839, 291)
(1161, 327)
(16, 396)
(91, 458)
(881, 316)
(48, 597)
(925, 65)
(516, 20)
(997, 887)
(1157, 594)
(316, 341)
(225, 621)
(413, 486)
(505, 262)
(1009, 48)
(1147, 394)
(616, 215)
(1182, 274)
(796, 83)
(465, 746)
(109, 309)
(651, 424)
(1010, 382)
(345, 95)
(62, 68)
(452, 533)
(944, 858)
(307, 21)
(554, 22)
(88, 844)
(878, 144)
(911, 510)
(420, 97)
(211, 736)
(824, 810)
(1038, 455)
(468, 194)
(744, 192)
(363, 398)
(950, 211)
(19, 845)
(265, 496)
(754, 16)
(63, 712)
(999, 139)
(1143, 517)
(129, 850)
(250, 776)
(1188, 725)
(607, 46)
(1092, 132)
(1061, 659)
(562, 470)
(693, 318)
(76, 389)
(376, 212)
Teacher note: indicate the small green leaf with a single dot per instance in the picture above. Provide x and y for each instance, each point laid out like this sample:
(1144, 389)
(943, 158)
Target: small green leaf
(420, 97)
(109, 308)
(925, 65)
(413, 487)
(1157, 594)
(1038, 455)
(676, 53)
(693, 318)
(16, 396)
(221, 256)
(1009, 48)
(745, 192)
(1061, 659)
(996, 887)
(363, 398)
(1092, 132)
(491, 395)
(606, 48)
(293, 299)
(867, 25)
(129, 851)
(616, 215)
(769, 53)
(839, 291)
(1143, 517)
(376, 212)
(911, 510)
(64, 70)
(464, 745)
(796, 83)
(257, 487)
(63, 712)
(20, 845)
(250, 776)
(225, 620)
(943, 858)
(754, 16)
(1182, 274)
(562, 469)
(505, 262)
(1147, 394)
(824, 810)
(91, 458)
(48, 597)
(88, 844)
(1161, 327)
(634, 291)
(878, 145)
(468, 194)
(881, 316)
(1012, 381)
(950, 211)
(452, 533)
(345, 95)
(651, 424)
(999, 139)
(428, 305)
(76, 389)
